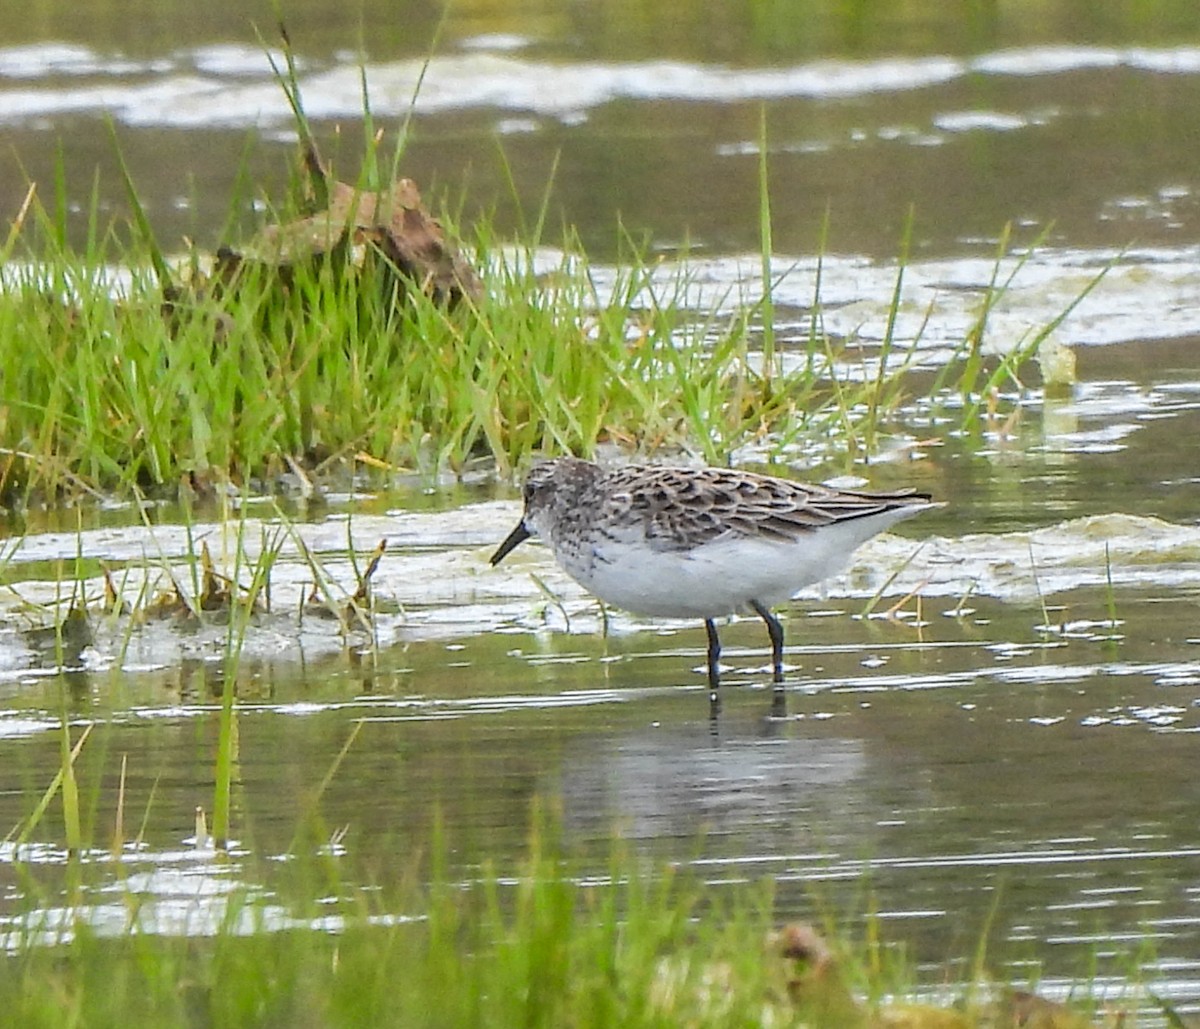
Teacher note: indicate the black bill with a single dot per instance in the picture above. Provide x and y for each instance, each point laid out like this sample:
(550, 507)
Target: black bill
(515, 538)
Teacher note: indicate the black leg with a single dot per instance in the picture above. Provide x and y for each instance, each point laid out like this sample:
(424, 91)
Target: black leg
(714, 656)
(776, 632)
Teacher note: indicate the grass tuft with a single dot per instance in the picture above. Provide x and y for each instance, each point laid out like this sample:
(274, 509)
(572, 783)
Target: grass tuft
(133, 374)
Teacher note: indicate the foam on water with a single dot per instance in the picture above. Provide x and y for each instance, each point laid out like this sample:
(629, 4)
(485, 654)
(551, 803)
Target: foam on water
(435, 581)
(231, 86)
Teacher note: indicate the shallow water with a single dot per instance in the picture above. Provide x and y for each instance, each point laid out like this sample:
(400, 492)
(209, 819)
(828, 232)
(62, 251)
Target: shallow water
(1061, 115)
(979, 763)
(999, 757)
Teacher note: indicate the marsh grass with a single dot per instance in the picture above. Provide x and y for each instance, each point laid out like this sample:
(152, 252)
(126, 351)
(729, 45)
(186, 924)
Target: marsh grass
(542, 943)
(132, 373)
(215, 576)
(539, 944)
(541, 948)
(226, 599)
(107, 394)
(974, 376)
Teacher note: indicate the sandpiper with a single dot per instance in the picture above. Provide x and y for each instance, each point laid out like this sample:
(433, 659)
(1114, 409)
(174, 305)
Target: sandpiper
(698, 542)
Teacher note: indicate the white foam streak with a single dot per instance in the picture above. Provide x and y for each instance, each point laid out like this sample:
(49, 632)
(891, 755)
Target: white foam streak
(232, 86)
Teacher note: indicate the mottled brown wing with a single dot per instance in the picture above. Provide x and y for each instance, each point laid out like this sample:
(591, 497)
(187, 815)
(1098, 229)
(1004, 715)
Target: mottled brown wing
(682, 508)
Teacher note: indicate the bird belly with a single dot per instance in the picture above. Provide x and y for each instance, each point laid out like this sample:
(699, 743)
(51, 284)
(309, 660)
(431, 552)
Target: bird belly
(708, 581)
